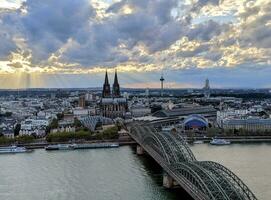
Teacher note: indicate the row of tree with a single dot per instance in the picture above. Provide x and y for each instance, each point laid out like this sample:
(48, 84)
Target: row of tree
(82, 134)
(17, 140)
(214, 131)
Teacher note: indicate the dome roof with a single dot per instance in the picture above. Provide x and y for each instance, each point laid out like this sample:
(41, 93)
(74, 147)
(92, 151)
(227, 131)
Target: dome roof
(195, 121)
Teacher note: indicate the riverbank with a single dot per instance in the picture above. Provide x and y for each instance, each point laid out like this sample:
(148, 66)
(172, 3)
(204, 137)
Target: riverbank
(232, 139)
(129, 141)
(41, 145)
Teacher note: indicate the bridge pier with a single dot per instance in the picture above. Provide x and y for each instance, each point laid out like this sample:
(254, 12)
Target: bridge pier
(139, 150)
(168, 181)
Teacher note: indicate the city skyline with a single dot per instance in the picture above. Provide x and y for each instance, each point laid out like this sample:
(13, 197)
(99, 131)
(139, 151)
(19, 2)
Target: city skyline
(226, 41)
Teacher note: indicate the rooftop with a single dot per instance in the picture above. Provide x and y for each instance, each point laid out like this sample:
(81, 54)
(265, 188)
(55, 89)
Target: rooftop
(185, 111)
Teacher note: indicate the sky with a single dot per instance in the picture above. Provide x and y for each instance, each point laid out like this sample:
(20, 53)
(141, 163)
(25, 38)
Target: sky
(68, 43)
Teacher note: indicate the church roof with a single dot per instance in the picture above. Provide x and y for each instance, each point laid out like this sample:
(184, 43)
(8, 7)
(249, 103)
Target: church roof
(113, 100)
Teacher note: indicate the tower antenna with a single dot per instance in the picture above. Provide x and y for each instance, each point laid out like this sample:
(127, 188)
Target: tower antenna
(162, 84)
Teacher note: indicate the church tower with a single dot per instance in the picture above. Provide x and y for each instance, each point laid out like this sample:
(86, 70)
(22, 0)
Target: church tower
(106, 87)
(116, 86)
(112, 105)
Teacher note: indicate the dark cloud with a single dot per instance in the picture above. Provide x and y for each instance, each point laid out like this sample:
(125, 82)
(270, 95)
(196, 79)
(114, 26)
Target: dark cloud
(256, 32)
(8, 30)
(16, 65)
(207, 30)
(201, 3)
(161, 9)
(214, 56)
(195, 52)
(7, 44)
(229, 42)
(48, 25)
(150, 24)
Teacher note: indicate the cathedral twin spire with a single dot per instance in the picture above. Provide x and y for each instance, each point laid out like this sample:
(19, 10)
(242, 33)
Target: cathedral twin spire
(106, 87)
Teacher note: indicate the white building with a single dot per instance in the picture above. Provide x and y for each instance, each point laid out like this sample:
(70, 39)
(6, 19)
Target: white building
(81, 112)
(9, 135)
(90, 97)
(63, 129)
(230, 114)
(37, 132)
(34, 126)
(249, 124)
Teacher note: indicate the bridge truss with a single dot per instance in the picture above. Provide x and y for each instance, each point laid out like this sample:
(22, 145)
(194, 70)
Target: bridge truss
(203, 180)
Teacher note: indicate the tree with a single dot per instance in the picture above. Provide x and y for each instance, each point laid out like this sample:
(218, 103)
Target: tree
(110, 133)
(60, 116)
(211, 132)
(54, 123)
(69, 136)
(47, 129)
(8, 114)
(25, 139)
(77, 123)
(17, 129)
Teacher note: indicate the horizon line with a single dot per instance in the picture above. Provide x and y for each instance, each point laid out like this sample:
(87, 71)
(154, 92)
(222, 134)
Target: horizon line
(139, 88)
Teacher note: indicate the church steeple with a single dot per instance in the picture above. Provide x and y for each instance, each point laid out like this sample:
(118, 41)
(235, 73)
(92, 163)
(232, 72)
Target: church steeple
(116, 87)
(106, 87)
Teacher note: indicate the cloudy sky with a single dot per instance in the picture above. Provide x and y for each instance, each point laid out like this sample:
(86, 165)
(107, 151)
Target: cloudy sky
(70, 43)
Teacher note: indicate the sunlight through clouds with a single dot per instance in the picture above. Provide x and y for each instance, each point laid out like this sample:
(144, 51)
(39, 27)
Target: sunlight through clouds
(83, 38)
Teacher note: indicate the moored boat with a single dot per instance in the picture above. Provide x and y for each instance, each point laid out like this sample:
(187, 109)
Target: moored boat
(81, 146)
(14, 149)
(59, 147)
(216, 141)
(95, 145)
(198, 142)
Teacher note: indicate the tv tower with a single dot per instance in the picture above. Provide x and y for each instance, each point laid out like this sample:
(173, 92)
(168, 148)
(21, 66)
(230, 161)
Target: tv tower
(162, 84)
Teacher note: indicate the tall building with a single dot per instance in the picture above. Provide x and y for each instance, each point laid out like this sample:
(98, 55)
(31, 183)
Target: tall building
(207, 88)
(162, 85)
(82, 101)
(147, 92)
(112, 105)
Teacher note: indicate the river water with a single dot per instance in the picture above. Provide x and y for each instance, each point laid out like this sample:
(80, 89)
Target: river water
(251, 162)
(119, 174)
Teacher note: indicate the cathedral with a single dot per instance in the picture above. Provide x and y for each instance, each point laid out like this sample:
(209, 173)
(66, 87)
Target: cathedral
(112, 105)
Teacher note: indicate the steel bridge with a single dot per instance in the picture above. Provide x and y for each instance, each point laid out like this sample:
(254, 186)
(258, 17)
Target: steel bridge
(203, 180)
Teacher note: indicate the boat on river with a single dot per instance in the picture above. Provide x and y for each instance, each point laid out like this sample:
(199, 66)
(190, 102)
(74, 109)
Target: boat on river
(96, 145)
(198, 142)
(216, 141)
(59, 147)
(81, 146)
(14, 149)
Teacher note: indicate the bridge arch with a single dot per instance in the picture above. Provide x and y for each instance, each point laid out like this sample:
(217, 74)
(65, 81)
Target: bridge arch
(203, 180)
(160, 146)
(237, 184)
(184, 152)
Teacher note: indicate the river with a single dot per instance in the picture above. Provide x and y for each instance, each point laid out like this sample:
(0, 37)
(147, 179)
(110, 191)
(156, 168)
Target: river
(119, 174)
(251, 162)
